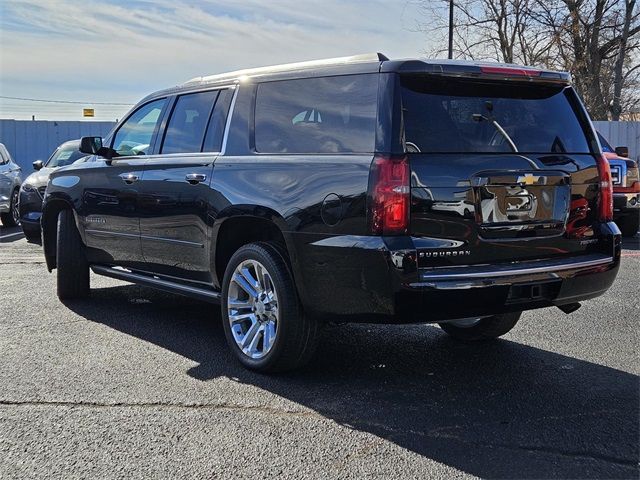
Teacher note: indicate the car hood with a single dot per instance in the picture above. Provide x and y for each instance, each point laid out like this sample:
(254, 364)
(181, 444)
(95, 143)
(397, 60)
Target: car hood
(40, 177)
(613, 156)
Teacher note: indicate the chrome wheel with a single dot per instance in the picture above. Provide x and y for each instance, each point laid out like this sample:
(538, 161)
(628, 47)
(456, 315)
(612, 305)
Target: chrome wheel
(252, 308)
(15, 209)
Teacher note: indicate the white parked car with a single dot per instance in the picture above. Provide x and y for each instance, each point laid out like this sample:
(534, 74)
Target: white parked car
(10, 181)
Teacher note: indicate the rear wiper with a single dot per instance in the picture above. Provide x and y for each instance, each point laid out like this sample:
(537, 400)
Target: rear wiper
(478, 117)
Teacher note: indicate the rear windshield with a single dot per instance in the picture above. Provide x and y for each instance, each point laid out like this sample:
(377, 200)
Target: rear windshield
(458, 115)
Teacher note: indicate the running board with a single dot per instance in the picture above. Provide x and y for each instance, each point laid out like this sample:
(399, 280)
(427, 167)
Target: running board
(159, 283)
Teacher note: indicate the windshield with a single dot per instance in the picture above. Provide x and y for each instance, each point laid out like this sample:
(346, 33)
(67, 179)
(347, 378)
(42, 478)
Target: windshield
(64, 155)
(462, 115)
(606, 146)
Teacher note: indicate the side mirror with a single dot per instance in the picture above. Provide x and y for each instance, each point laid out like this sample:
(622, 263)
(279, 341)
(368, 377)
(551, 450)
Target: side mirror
(622, 152)
(90, 145)
(38, 164)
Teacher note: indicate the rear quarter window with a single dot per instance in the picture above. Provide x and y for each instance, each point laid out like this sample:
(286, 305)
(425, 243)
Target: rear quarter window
(460, 115)
(317, 115)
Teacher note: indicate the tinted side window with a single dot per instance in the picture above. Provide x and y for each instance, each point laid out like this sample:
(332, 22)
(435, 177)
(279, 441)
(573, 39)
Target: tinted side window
(317, 115)
(135, 134)
(215, 130)
(186, 127)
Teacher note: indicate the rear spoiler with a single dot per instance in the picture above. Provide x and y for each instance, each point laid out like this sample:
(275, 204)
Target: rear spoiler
(494, 71)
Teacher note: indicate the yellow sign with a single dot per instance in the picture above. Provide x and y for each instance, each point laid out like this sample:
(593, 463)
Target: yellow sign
(88, 112)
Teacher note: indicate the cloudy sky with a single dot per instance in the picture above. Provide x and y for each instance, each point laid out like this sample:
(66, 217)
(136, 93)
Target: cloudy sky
(118, 51)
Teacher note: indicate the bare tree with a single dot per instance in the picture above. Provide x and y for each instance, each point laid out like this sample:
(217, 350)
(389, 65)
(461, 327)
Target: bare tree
(596, 40)
(499, 30)
(619, 74)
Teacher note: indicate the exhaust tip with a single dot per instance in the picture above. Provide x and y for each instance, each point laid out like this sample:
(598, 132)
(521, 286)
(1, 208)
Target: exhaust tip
(569, 307)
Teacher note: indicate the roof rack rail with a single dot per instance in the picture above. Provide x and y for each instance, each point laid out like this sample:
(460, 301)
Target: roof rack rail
(367, 57)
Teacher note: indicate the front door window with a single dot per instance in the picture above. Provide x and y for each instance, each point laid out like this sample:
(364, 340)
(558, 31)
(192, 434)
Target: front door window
(135, 134)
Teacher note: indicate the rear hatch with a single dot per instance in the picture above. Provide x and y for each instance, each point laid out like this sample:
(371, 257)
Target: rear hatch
(502, 170)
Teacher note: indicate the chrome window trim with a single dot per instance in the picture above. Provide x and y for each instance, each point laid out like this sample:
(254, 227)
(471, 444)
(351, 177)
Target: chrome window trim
(227, 126)
(187, 154)
(168, 156)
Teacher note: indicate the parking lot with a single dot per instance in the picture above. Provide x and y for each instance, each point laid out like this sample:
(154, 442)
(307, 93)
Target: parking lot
(135, 383)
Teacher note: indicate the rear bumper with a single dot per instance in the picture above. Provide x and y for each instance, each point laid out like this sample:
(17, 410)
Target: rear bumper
(523, 286)
(366, 279)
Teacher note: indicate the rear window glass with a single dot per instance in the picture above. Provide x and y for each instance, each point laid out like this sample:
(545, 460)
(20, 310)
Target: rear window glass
(188, 122)
(317, 115)
(449, 115)
(215, 130)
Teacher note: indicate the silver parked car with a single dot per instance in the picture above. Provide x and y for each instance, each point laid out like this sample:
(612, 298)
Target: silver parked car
(10, 181)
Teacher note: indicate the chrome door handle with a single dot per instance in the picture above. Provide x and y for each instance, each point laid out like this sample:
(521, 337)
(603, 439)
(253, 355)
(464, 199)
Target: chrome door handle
(195, 178)
(129, 178)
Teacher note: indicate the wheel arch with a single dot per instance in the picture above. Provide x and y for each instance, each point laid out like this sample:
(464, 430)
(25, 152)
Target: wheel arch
(240, 225)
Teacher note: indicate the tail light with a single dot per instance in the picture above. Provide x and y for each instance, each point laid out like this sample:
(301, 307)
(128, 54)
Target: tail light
(389, 195)
(510, 71)
(605, 203)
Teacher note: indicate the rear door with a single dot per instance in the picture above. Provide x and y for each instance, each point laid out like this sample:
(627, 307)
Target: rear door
(503, 170)
(175, 201)
(109, 213)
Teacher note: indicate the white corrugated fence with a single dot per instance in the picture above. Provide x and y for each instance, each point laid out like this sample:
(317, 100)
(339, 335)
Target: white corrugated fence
(28, 140)
(622, 134)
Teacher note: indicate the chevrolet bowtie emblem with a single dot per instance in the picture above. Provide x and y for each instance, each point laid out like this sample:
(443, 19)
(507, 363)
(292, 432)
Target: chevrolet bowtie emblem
(528, 179)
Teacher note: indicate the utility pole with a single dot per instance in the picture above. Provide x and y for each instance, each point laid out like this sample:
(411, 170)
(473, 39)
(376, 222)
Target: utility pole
(450, 29)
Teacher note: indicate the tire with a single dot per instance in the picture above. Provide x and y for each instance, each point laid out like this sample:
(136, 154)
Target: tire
(629, 225)
(31, 233)
(32, 236)
(281, 315)
(483, 329)
(12, 217)
(72, 265)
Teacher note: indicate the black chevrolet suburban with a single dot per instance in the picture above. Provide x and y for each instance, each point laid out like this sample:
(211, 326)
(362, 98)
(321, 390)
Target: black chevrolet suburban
(355, 189)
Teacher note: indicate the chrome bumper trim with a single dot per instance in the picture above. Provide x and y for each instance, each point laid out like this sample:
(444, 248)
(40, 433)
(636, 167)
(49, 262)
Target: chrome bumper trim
(523, 268)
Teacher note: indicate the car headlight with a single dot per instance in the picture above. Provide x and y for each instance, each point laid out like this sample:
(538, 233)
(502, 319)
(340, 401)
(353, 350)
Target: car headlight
(27, 188)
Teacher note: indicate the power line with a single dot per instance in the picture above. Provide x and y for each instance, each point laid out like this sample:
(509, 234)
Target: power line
(65, 101)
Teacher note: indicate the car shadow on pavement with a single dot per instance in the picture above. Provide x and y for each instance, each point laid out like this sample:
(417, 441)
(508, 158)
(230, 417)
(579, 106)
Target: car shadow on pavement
(496, 410)
(10, 234)
(631, 243)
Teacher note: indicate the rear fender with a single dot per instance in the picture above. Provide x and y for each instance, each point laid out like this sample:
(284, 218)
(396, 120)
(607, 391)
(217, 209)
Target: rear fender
(262, 213)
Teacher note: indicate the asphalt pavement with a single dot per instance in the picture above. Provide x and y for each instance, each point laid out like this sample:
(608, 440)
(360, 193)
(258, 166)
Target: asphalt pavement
(135, 383)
